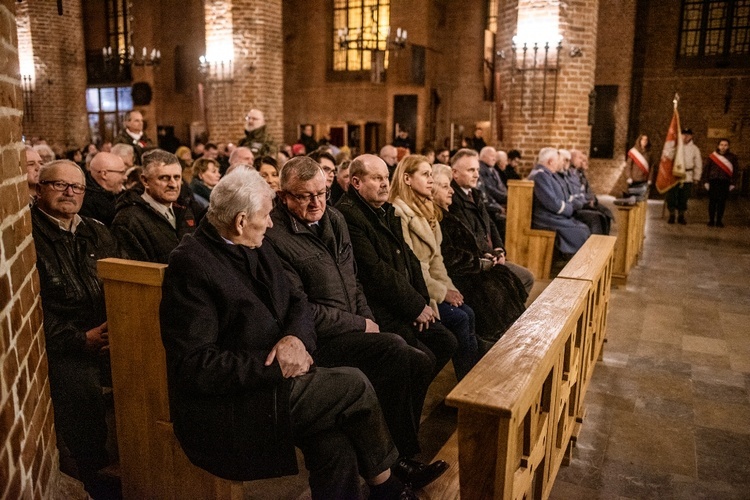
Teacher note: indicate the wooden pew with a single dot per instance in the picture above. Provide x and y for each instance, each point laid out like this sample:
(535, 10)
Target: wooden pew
(531, 248)
(631, 230)
(593, 263)
(520, 406)
(152, 463)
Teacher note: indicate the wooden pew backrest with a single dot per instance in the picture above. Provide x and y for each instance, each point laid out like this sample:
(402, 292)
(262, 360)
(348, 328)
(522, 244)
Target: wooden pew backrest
(531, 248)
(152, 464)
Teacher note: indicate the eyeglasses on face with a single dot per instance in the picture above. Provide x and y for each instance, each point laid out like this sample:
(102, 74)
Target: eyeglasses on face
(63, 186)
(306, 199)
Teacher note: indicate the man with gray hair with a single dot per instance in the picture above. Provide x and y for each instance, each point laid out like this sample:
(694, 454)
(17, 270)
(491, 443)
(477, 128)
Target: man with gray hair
(126, 152)
(105, 180)
(75, 323)
(257, 138)
(239, 341)
(241, 156)
(313, 242)
(150, 225)
(553, 207)
(132, 134)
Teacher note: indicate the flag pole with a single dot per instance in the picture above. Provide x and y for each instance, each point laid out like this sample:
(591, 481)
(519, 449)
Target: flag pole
(676, 99)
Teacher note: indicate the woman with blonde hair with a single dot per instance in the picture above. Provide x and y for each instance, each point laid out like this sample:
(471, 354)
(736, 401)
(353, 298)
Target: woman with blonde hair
(411, 196)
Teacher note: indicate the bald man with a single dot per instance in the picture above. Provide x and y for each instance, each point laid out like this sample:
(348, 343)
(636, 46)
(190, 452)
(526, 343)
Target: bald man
(389, 155)
(105, 180)
(257, 138)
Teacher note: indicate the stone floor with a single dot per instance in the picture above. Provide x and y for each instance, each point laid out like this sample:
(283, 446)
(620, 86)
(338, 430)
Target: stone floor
(669, 405)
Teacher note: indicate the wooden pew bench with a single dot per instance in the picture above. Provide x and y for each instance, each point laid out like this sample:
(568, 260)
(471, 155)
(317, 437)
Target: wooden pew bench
(521, 406)
(631, 230)
(152, 463)
(531, 248)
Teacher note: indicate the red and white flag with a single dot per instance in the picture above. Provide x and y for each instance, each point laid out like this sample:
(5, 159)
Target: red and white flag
(672, 163)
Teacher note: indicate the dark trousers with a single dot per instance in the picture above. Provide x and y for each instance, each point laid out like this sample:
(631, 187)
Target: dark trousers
(80, 412)
(460, 321)
(338, 425)
(596, 221)
(717, 199)
(399, 373)
(677, 197)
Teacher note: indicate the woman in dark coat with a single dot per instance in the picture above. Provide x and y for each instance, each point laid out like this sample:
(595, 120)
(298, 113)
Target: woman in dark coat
(495, 293)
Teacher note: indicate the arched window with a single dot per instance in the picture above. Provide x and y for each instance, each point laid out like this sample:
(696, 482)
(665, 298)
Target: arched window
(359, 28)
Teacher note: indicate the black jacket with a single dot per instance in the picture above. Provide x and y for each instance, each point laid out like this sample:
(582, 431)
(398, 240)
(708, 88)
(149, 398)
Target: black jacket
(145, 234)
(475, 216)
(98, 203)
(496, 294)
(323, 268)
(390, 273)
(72, 294)
(139, 146)
(219, 321)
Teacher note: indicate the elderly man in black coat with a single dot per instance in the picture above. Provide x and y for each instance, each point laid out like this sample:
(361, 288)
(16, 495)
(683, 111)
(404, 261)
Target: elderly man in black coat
(313, 242)
(75, 321)
(242, 384)
(390, 273)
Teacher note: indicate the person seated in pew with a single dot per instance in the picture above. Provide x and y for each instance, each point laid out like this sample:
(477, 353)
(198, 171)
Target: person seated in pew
(312, 239)
(243, 387)
(75, 319)
(390, 274)
(149, 225)
(411, 196)
(495, 193)
(596, 221)
(468, 207)
(495, 292)
(553, 208)
(579, 166)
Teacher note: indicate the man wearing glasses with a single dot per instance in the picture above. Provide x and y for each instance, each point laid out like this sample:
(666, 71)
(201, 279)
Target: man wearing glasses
(75, 324)
(104, 182)
(257, 138)
(313, 242)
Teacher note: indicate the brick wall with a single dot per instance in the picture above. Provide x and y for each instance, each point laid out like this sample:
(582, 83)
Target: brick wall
(253, 30)
(28, 454)
(551, 111)
(59, 99)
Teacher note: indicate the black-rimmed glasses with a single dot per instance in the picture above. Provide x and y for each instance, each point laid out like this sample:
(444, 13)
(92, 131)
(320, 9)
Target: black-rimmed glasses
(62, 186)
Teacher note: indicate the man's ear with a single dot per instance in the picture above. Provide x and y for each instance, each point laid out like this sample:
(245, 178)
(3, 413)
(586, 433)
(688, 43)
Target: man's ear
(239, 222)
(356, 182)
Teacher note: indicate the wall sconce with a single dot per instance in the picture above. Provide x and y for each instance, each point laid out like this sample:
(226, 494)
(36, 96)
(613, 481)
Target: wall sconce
(535, 62)
(27, 86)
(576, 52)
(369, 39)
(217, 71)
(126, 57)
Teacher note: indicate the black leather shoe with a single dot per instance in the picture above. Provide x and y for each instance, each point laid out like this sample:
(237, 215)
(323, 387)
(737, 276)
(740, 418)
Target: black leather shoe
(719, 224)
(681, 220)
(711, 223)
(671, 219)
(416, 474)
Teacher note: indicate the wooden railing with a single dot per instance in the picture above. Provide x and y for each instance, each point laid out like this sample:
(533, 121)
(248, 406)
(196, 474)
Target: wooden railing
(531, 248)
(521, 406)
(152, 463)
(631, 230)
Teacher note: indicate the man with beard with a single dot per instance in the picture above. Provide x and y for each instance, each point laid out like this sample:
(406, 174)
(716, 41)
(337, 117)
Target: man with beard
(257, 137)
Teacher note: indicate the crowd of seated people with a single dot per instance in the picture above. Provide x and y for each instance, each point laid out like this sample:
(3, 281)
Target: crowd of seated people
(309, 301)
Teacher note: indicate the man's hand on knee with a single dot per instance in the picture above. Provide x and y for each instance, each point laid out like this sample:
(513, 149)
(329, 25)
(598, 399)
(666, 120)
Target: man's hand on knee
(293, 358)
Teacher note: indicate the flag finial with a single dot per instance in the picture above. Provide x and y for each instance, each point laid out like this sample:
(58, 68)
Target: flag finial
(676, 99)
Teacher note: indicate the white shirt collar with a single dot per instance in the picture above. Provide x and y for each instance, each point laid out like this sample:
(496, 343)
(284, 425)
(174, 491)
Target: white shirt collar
(73, 226)
(159, 207)
(136, 137)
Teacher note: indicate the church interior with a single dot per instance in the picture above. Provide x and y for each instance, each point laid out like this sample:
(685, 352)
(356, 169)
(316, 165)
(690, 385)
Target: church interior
(665, 412)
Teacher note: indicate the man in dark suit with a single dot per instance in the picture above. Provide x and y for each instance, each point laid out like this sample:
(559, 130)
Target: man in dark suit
(470, 209)
(243, 388)
(390, 273)
(313, 242)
